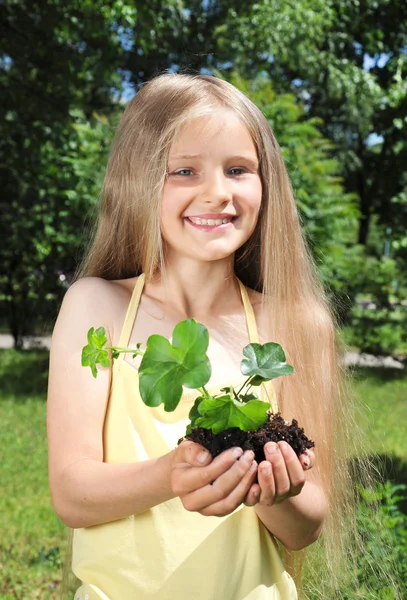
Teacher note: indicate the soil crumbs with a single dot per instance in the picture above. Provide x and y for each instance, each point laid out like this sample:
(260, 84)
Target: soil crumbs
(274, 430)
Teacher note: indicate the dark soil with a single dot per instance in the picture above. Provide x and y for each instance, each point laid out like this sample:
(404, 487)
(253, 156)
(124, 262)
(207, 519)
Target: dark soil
(274, 430)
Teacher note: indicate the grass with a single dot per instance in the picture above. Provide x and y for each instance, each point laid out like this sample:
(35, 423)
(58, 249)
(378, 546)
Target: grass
(33, 538)
(383, 397)
(32, 541)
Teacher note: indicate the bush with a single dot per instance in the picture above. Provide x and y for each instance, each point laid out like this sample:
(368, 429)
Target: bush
(380, 573)
(380, 331)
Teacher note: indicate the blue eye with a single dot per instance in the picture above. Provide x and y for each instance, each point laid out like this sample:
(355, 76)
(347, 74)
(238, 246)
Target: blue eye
(183, 172)
(237, 169)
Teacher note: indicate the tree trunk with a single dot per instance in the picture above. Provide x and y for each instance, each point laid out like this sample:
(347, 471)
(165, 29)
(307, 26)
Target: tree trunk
(365, 195)
(15, 317)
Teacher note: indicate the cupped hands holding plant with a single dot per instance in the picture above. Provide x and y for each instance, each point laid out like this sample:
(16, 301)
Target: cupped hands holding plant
(217, 486)
(235, 466)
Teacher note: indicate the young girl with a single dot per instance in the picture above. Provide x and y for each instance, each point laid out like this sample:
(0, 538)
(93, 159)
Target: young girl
(197, 219)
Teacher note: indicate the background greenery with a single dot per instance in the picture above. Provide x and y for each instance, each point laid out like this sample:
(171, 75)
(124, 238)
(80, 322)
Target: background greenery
(330, 76)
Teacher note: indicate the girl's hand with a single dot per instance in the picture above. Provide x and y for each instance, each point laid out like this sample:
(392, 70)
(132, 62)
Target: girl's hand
(212, 487)
(280, 476)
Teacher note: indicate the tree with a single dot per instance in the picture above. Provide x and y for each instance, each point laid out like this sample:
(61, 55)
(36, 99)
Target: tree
(56, 57)
(346, 61)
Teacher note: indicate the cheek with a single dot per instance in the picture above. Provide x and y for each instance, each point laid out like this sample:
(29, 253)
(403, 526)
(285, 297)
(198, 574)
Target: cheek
(168, 209)
(255, 198)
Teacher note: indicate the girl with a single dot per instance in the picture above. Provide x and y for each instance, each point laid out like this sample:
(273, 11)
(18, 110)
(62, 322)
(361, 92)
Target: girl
(197, 219)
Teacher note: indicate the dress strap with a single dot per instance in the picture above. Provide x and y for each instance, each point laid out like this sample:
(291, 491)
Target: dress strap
(131, 313)
(250, 318)
(254, 339)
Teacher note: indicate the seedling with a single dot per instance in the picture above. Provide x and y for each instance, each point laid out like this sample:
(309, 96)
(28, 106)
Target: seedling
(216, 421)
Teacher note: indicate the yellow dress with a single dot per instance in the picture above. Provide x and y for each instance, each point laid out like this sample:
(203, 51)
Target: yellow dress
(166, 552)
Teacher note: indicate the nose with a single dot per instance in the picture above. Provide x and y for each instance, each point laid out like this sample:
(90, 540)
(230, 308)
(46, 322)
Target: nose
(216, 189)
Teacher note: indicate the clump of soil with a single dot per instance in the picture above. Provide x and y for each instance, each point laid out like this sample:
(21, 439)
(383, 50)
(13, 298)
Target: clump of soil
(275, 429)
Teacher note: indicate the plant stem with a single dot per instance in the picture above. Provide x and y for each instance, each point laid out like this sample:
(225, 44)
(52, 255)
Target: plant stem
(119, 350)
(245, 383)
(232, 389)
(204, 392)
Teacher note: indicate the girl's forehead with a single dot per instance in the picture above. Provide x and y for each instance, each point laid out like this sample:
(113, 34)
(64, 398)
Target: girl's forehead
(221, 126)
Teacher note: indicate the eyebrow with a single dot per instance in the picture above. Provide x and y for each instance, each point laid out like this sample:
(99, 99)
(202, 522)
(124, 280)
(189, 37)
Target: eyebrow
(253, 162)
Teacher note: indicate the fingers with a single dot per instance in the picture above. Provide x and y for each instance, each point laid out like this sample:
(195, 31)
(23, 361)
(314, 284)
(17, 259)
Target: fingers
(192, 454)
(223, 485)
(307, 460)
(253, 495)
(230, 502)
(281, 475)
(217, 486)
(186, 478)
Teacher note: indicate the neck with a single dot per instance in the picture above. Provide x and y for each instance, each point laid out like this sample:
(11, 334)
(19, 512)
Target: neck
(199, 290)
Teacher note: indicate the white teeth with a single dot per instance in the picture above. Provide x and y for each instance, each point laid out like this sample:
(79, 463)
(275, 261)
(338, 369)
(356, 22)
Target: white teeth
(210, 222)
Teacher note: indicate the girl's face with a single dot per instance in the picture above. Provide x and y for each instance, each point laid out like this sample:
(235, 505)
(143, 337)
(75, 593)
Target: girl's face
(212, 194)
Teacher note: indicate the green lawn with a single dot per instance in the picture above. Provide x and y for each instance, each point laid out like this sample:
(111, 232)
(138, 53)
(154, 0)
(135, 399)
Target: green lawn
(32, 540)
(382, 394)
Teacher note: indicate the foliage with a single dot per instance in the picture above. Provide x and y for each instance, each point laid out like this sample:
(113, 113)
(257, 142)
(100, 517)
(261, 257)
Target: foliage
(94, 352)
(219, 413)
(264, 362)
(53, 59)
(166, 367)
(379, 324)
(345, 61)
(381, 571)
(61, 72)
(320, 70)
(379, 331)
(43, 222)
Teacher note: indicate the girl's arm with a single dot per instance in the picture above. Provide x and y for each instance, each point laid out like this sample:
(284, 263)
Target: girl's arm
(84, 489)
(87, 491)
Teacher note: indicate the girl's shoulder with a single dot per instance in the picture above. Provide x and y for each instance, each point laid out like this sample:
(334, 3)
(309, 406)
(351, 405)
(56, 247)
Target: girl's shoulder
(93, 301)
(102, 290)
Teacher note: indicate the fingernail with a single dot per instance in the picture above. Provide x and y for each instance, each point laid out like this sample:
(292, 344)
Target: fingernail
(283, 446)
(266, 470)
(248, 456)
(202, 456)
(237, 452)
(253, 467)
(271, 448)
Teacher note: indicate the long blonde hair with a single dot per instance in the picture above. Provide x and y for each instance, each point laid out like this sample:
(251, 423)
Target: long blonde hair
(275, 261)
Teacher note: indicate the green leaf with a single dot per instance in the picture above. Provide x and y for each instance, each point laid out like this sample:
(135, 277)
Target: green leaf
(166, 367)
(94, 352)
(223, 413)
(265, 361)
(248, 397)
(194, 413)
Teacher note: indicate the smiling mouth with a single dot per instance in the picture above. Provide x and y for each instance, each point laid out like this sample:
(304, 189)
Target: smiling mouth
(210, 222)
